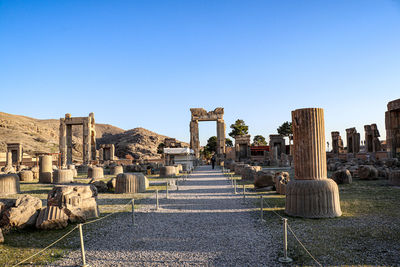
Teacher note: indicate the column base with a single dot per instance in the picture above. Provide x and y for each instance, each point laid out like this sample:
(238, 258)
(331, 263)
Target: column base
(313, 199)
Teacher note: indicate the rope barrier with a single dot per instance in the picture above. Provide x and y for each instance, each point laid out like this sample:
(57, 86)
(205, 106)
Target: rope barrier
(297, 239)
(290, 229)
(52, 244)
(61, 238)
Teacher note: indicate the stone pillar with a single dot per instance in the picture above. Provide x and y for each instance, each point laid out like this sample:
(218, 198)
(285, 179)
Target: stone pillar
(311, 194)
(9, 158)
(69, 143)
(63, 142)
(112, 152)
(86, 143)
(45, 169)
(221, 137)
(194, 138)
(101, 154)
(92, 132)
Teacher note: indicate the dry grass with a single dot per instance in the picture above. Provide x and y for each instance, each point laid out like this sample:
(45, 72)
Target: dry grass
(20, 244)
(368, 232)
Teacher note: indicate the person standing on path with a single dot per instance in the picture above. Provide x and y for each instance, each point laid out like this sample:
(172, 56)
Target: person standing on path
(213, 162)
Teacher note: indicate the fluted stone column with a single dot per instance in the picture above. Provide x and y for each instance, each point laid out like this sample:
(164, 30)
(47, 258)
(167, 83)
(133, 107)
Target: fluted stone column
(221, 128)
(194, 138)
(69, 143)
(63, 142)
(311, 194)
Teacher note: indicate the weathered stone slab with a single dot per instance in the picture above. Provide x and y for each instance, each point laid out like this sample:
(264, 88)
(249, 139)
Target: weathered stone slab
(78, 201)
(24, 213)
(342, 177)
(52, 217)
(263, 179)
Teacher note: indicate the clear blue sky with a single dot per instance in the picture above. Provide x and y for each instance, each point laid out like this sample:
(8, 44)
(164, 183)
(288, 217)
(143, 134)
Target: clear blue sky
(145, 63)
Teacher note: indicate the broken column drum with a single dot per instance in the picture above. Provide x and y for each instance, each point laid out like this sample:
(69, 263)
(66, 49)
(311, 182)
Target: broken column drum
(115, 170)
(9, 184)
(45, 168)
(63, 176)
(96, 172)
(26, 176)
(131, 183)
(311, 194)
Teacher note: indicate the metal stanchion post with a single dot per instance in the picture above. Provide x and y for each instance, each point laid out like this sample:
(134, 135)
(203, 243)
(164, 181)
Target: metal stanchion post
(166, 190)
(234, 185)
(157, 206)
(177, 184)
(285, 258)
(262, 209)
(82, 247)
(133, 212)
(244, 193)
(231, 179)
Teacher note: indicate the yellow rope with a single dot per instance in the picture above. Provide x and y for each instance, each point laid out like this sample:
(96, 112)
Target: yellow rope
(58, 240)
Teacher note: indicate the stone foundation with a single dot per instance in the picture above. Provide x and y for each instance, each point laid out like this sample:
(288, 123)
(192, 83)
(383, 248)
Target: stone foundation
(9, 184)
(313, 199)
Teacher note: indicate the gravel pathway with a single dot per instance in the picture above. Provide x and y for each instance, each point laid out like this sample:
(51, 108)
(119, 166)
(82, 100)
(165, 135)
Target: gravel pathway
(202, 224)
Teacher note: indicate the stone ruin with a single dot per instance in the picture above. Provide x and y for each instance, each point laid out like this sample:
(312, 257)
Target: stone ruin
(392, 122)
(372, 143)
(45, 169)
(131, 183)
(311, 194)
(353, 140)
(172, 143)
(242, 147)
(72, 203)
(107, 152)
(277, 147)
(9, 184)
(68, 203)
(200, 114)
(89, 138)
(14, 154)
(337, 143)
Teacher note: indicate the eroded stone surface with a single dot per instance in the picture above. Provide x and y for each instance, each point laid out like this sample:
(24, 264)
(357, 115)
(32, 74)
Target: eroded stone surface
(24, 212)
(52, 217)
(78, 201)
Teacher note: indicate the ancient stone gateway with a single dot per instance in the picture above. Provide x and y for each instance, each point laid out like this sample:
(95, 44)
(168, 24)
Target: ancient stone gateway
(242, 147)
(89, 138)
(353, 140)
(200, 114)
(107, 152)
(277, 147)
(392, 122)
(372, 143)
(311, 194)
(337, 142)
(14, 154)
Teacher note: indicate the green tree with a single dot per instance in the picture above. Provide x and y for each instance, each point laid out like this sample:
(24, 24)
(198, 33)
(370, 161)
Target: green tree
(228, 142)
(259, 140)
(210, 148)
(211, 144)
(239, 128)
(285, 129)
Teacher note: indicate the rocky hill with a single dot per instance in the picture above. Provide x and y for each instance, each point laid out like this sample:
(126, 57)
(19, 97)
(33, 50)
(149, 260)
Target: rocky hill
(139, 143)
(43, 135)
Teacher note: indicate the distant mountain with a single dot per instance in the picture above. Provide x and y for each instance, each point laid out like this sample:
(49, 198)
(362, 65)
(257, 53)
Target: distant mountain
(42, 135)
